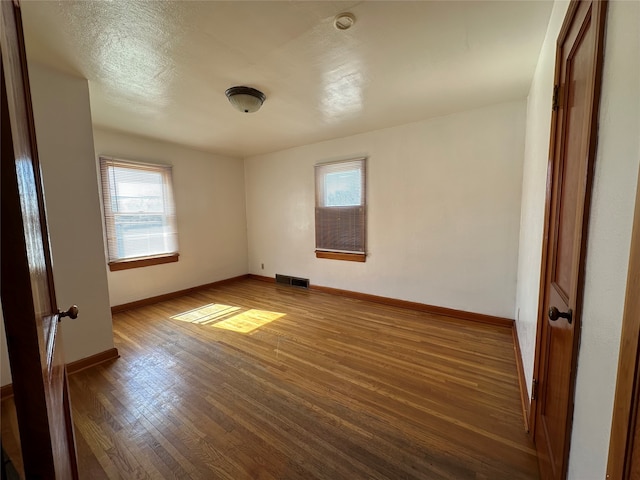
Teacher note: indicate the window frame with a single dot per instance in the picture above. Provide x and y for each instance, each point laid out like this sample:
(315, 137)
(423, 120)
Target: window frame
(321, 170)
(114, 262)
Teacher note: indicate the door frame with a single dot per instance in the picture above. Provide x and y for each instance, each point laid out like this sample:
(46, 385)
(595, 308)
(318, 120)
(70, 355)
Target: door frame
(599, 16)
(627, 398)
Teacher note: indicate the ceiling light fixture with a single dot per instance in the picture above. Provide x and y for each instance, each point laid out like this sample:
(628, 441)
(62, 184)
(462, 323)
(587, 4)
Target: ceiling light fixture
(245, 99)
(344, 21)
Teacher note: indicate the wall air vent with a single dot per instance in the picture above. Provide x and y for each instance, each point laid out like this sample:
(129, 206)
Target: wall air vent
(292, 281)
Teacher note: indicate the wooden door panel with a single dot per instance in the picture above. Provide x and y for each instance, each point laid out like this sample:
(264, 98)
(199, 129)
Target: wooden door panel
(569, 219)
(578, 70)
(575, 90)
(553, 404)
(28, 296)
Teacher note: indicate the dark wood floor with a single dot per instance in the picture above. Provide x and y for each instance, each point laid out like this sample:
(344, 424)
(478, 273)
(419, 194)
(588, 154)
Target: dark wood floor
(255, 381)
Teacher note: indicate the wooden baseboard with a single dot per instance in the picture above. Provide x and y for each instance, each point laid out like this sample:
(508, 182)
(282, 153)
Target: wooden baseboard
(421, 307)
(92, 361)
(167, 296)
(262, 278)
(6, 391)
(522, 381)
(73, 367)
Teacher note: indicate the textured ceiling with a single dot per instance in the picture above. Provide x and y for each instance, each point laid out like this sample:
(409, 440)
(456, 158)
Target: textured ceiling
(160, 69)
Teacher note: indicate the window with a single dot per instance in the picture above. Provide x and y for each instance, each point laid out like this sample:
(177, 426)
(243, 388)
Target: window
(139, 213)
(340, 210)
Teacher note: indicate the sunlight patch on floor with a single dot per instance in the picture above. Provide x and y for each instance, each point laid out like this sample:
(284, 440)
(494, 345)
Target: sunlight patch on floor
(207, 314)
(248, 321)
(214, 315)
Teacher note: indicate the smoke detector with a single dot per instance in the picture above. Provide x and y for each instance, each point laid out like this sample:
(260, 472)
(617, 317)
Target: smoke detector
(344, 21)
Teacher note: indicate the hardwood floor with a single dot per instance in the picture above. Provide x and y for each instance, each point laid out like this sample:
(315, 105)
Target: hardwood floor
(257, 381)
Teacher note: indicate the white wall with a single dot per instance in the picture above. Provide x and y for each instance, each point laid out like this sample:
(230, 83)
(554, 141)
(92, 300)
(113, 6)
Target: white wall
(65, 146)
(534, 180)
(613, 201)
(443, 211)
(615, 183)
(210, 209)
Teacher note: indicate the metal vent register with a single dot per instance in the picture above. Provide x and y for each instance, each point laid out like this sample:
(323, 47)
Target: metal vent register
(292, 281)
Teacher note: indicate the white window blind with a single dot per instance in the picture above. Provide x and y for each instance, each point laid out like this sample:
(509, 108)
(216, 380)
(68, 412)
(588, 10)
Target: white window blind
(341, 206)
(139, 209)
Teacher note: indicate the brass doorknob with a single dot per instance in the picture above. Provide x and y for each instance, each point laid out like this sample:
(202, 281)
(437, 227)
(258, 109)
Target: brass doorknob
(555, 314)
(71, 313)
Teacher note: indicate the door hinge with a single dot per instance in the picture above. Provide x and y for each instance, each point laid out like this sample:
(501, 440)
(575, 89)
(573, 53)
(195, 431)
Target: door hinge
(556, 98)
(534, 389)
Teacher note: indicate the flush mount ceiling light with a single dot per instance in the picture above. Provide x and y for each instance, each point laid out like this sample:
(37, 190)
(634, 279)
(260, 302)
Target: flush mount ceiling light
(344, 21)
(245, 99)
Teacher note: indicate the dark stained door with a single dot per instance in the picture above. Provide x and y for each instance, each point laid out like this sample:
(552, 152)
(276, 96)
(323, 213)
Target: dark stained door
(578, 72)
(28, 296)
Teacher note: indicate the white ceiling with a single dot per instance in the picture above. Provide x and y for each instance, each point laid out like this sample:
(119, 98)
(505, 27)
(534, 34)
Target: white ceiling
(160, 69)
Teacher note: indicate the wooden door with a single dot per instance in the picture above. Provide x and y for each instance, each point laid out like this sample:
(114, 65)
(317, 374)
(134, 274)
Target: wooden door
(573, 140)
(28, 296)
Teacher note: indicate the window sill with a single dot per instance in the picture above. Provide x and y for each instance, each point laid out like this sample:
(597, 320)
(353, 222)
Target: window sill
(142, 262)
(349, 257)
